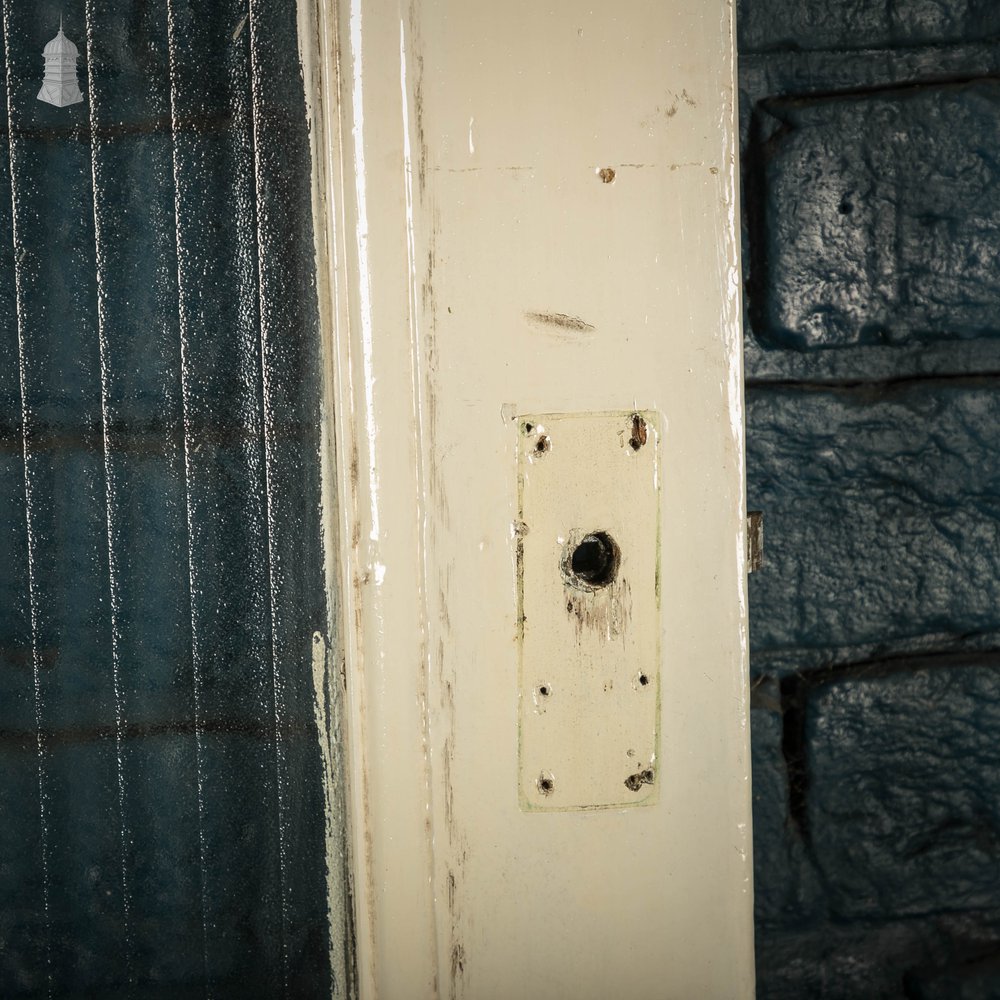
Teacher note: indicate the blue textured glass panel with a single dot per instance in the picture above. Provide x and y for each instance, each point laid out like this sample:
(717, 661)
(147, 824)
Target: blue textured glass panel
(161, 567)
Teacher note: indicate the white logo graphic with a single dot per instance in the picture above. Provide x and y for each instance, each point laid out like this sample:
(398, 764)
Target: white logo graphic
(60, 86)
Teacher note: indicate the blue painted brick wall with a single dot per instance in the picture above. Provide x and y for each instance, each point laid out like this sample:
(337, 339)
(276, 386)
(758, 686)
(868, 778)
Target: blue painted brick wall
(871, 181)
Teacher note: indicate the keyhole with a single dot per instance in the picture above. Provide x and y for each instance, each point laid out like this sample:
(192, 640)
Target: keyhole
(595, 559)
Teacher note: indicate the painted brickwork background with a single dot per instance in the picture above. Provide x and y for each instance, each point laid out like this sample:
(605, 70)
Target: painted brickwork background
(161, 798)
(871, 146)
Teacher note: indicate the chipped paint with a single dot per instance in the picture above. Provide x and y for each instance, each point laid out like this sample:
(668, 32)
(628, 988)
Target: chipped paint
(327, 708)
(336, 37)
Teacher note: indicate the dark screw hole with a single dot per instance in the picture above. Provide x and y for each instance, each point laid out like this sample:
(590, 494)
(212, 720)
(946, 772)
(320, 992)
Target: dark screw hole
(544, 690)
(643, 679)
(638, 438)
(595, 560)
(634, 782)
(546, 785)
(543, 444)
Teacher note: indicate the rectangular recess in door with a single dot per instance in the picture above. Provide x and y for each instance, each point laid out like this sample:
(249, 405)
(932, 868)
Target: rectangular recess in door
(588, 584)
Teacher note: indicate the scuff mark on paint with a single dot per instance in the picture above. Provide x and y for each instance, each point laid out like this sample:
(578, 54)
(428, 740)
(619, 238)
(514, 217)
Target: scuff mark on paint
(562, 321)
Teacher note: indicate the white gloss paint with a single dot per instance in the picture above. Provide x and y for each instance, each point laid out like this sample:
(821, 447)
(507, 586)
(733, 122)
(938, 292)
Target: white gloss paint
(364, 285)
(459, 293)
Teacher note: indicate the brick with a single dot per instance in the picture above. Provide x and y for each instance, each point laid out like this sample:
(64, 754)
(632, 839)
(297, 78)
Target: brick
(819, 24)
(881, 513)
(970, 980)
(880, 214)
(834, 962)
(913, 958)
(785, 885)
(903, 810)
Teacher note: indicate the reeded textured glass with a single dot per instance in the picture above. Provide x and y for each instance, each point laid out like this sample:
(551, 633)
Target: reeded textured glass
(161, 791)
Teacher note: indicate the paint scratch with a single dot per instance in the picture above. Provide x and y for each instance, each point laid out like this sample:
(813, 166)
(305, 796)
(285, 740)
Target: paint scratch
(562, 321)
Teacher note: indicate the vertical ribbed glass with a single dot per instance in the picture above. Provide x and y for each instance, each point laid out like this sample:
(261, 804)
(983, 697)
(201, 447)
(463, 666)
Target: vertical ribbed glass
(162, 824)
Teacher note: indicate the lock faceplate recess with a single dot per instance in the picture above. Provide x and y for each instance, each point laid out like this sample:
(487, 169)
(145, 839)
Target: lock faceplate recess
(588, 564)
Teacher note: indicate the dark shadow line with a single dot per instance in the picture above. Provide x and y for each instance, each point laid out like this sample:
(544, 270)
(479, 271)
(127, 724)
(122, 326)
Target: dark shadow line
(986, 379)
(73, 735)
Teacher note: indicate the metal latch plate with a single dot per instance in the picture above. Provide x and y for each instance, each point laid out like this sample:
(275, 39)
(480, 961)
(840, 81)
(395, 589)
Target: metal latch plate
(588, 565)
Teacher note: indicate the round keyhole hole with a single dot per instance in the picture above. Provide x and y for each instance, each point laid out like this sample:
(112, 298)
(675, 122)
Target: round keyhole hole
(594, 560)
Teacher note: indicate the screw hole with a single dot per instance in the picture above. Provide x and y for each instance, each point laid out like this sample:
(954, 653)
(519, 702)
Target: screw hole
(638, 438)
(546, 785)
(594, 560)
(643, 679)
(634, 782)
(543, 444)
(544, 690)
(606, 174)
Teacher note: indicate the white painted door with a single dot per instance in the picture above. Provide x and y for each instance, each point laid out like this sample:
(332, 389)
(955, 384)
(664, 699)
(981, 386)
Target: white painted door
(528, 229)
